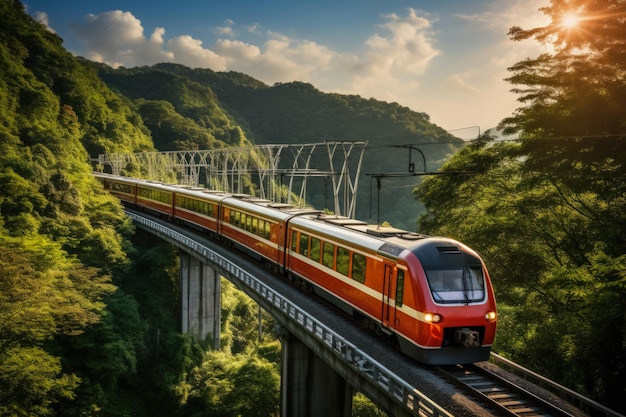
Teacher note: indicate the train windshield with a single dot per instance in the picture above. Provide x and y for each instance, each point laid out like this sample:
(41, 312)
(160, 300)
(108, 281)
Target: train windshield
(459, 285)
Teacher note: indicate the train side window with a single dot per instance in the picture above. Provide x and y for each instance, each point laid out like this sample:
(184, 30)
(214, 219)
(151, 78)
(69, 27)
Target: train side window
(254, 228)
(261, 228)
(358, 267)
(328, 256)
(304, 244)
(343, 260)
(211, 210)
(294, 241)
(316, 249)
(268, 231)
(242, 220)
(400, 287)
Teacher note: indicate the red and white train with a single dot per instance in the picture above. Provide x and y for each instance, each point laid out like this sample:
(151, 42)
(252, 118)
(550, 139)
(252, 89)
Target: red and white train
(432, 293)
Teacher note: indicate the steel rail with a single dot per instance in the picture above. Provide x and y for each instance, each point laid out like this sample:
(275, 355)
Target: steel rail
(504, 395)
(555, 387)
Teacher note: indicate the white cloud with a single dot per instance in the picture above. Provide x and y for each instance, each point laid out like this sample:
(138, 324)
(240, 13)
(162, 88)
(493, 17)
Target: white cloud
(42, 17)
(226, 30)
(407, 48)
(394, 64)
(280, 59)
(117, 38)
(190, 52)
(460, 82)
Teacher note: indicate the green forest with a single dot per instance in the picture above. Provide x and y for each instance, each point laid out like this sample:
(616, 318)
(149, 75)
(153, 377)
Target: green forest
(89, 306)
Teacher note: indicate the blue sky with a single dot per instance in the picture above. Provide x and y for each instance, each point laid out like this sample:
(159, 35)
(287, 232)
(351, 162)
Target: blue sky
(446, 58)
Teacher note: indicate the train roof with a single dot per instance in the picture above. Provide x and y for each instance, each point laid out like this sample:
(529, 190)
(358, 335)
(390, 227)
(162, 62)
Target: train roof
(348, 231)
(265, 208)
(385, 240)
(200, 193)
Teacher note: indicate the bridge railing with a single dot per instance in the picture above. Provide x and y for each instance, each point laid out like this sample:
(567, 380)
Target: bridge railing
(403, 393)
(583, 402)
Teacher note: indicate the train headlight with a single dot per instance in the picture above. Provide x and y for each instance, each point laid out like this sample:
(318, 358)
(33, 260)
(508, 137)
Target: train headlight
(491, 316)
(432, 318)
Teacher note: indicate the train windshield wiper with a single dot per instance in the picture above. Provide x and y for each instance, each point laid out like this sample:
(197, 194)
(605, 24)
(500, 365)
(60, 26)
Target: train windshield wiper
(467, 283)
(437, 296)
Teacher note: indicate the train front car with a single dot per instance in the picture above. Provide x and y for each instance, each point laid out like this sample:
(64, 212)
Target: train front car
(456, 308)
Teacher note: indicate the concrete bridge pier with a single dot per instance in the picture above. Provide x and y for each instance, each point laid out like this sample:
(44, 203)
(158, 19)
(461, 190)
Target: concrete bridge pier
(309, 386)
(200, 299)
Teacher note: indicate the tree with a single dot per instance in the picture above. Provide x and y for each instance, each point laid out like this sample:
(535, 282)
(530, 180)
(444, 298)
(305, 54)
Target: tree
(43, 294)
(574, 97)
(547, 212)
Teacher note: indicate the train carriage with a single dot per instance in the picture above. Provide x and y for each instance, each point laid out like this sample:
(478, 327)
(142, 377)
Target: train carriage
(256, 226)
(123, 188)
(199, 206)
(343, 265)
(433, 294)
(156, 196)
(392, 278)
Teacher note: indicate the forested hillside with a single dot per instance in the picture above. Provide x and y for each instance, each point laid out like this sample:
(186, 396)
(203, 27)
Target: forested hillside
(89, 306)
(548, 212)
(62, 238)
(198, 108)
(89, 309)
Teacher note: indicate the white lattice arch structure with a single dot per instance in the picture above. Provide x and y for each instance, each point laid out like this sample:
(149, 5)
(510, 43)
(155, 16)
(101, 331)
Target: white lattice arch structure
(260, 170)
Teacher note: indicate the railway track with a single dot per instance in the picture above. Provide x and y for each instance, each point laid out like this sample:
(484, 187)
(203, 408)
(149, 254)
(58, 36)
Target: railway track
(504, 396)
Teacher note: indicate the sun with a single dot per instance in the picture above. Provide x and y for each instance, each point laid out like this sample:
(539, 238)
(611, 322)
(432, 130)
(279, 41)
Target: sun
(570, 20)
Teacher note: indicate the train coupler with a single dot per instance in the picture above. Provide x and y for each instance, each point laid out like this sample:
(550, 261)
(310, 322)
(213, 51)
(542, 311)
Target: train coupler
(467, 337)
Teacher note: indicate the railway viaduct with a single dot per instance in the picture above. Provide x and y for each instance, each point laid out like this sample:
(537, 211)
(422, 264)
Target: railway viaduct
(321, 367)
(325, 358)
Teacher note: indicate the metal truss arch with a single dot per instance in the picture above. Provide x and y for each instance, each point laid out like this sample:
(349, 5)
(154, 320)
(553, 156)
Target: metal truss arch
(276, 172)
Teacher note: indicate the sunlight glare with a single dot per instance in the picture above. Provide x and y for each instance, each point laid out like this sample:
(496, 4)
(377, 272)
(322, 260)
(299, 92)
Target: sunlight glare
(570, 20)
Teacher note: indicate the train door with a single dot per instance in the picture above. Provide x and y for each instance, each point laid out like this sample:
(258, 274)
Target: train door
(388, 304)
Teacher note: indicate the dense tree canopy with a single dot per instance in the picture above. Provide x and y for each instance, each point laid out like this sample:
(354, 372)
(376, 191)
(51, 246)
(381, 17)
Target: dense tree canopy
(548, 211)
(175, 103)
(88, 324)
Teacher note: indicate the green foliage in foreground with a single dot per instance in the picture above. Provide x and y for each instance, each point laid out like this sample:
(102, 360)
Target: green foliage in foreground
(42, 294)
(560, 279)
(548, 212)
(63, 240)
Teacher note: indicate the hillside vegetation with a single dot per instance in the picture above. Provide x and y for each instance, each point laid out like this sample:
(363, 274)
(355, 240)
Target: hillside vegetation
(548, 212)
(200, 109)
(89, 306)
